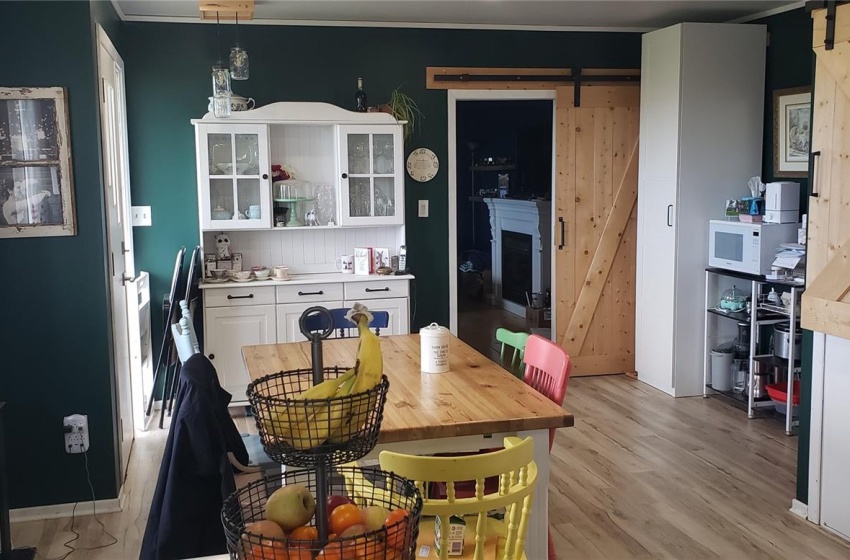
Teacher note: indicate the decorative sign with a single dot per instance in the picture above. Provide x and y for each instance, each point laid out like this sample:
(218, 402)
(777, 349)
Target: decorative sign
(422, 165)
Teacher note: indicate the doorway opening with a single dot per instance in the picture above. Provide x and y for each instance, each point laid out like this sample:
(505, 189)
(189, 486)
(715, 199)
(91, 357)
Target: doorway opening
(502, 173)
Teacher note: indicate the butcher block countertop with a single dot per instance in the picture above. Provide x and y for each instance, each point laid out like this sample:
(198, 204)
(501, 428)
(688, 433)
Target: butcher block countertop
(474, 397)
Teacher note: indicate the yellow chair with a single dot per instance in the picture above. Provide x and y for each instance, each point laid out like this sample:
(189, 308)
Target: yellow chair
(517, 473)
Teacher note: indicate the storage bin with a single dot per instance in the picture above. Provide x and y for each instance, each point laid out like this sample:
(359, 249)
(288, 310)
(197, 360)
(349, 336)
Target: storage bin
(721, 370)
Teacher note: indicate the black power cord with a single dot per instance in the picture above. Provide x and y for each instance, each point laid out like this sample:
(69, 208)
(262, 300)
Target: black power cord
(67, 544)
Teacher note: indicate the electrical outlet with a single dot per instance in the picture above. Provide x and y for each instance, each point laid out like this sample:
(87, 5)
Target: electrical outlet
(141, 215)
(423, 208)
(76, 428)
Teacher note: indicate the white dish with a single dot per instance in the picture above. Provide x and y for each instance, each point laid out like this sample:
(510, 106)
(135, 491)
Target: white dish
(242, 279)
(262, 279)
(276, 279)
(215, 280)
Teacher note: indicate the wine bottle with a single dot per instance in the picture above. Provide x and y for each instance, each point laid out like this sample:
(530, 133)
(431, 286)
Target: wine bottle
(360, 104)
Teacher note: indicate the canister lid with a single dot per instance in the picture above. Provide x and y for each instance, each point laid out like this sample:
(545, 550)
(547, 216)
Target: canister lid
(433, 330)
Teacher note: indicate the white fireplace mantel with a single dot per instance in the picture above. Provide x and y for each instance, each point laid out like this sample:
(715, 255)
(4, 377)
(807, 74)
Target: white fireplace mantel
(531, 217)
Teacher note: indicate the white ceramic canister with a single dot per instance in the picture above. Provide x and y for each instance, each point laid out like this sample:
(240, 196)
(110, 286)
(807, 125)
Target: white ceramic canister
(434, 348)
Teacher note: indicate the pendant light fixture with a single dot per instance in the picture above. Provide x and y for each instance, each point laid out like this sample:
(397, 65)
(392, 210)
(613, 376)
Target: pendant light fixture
(220, 81)
(239, 64)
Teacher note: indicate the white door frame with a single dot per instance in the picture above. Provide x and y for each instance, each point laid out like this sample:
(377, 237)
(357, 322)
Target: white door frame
(115, 162)
(455, 95)
(816, 426)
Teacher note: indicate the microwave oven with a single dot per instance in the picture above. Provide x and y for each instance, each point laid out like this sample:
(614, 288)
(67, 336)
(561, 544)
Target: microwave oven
(746, 247)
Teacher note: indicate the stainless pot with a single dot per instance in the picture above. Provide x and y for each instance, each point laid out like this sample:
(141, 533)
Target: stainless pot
(782, 340)
(764, 374)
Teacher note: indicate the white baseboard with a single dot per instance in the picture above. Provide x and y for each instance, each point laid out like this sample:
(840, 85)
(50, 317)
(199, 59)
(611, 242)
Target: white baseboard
(799, 508)
(59, 511)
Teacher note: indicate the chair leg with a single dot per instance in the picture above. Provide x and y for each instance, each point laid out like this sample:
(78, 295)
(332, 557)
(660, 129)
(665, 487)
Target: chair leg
(167, 382)
(163, 357)
(172, 392)
(552, 555)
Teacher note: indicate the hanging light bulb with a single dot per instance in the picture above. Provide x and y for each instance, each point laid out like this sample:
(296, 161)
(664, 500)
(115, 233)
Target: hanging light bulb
(239, 64)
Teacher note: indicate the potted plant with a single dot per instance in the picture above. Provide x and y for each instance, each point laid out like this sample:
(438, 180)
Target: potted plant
(403, 108)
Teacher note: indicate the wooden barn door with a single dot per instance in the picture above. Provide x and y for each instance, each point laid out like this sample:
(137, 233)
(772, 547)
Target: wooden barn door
(595, 226)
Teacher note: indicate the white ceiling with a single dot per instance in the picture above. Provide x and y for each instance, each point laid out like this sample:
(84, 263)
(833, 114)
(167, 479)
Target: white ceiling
(546, 14)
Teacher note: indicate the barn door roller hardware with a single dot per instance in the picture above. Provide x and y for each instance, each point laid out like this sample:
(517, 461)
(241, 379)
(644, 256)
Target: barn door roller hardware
(830, 5)
(576, 76)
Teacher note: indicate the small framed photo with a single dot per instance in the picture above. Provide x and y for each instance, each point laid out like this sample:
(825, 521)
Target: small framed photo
(36, 183)
(792, 119)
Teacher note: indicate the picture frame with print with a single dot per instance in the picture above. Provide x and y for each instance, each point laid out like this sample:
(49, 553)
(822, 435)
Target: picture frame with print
(792, 117)
(36, 180)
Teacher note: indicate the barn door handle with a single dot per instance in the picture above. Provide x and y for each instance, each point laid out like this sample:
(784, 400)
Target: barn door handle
(563, 233)
(669, 215)
(815, 160)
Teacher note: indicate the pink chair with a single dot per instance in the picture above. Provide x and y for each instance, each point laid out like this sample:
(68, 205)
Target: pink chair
(547, 369)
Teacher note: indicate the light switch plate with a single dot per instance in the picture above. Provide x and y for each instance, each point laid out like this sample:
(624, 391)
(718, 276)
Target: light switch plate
(141, 216)
(423, 208)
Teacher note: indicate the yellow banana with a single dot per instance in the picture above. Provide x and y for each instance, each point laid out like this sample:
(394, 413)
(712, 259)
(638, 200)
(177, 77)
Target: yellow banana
(313, 431)
(370, 361)
(284, 420)
(370, 368)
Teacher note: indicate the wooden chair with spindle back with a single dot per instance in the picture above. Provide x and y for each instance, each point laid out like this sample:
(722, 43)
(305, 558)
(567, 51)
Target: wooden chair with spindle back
(547, 370)
(513, 344)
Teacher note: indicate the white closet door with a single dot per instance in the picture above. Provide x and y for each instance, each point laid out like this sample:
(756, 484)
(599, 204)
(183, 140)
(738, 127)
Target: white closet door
(835, 462)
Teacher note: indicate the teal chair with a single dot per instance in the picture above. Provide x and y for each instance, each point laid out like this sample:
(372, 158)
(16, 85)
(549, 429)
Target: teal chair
(514, 343)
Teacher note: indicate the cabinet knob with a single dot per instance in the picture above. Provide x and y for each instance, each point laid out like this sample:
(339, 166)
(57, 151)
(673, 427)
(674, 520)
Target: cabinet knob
(265, 175)
(212, 356)
(345, 175)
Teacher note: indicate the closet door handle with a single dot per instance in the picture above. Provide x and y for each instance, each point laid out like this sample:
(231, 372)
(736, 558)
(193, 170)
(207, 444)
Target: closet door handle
(563, 232)
(249, 296)
(815, 160)
(369, 290)
(669, 215)
(319, 293)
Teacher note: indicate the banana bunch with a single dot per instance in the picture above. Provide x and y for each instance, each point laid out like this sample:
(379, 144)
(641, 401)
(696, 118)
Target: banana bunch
(307, 426)
(370, 369)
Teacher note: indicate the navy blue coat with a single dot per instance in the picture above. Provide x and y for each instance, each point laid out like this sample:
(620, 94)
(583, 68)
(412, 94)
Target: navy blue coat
(195, 476)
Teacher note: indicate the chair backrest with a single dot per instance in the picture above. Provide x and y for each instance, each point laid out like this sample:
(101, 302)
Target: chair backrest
(176, 286)
(344, 328)
(515, 344)
(517, 474)
(547, 370)
(196, 267)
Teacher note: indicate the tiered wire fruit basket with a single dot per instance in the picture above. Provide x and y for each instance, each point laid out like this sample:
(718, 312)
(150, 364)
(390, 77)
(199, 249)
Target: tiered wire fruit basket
(290, 441)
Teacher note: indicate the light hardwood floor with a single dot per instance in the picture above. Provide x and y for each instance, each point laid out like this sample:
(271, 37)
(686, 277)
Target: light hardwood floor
(641, 475)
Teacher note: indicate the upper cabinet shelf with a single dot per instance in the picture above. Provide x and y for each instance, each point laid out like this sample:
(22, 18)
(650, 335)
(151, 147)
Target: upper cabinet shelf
(346, 168)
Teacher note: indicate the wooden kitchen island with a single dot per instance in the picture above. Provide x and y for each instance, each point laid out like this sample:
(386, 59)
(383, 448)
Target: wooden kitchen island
(472, 406)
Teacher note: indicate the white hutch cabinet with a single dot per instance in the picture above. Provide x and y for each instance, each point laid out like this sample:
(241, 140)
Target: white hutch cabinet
(347, 173)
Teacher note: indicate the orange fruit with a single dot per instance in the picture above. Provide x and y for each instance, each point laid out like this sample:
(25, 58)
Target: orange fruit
(300, 554)
(336, 551)
(371, 549)
(344, 516)
(398, 529)
(304, 533)
(268, 550)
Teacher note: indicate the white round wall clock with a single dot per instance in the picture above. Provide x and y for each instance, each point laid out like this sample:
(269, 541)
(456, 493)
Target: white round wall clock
(422, 165)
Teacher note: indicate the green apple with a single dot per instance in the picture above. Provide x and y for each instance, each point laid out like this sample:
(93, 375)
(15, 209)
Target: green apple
(374, 517)
(291, 506)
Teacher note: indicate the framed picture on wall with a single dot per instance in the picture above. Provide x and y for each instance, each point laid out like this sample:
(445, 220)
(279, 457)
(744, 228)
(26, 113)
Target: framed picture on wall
(36, 184)
(792, 119)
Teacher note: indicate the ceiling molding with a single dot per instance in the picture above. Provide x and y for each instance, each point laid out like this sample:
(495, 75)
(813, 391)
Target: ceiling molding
(121, 15)
(398, 24)
(768, 13)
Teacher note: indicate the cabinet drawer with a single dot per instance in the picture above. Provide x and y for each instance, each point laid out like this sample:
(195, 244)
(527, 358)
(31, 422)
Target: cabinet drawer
(376, 289)
(229, 297)
(309, 293)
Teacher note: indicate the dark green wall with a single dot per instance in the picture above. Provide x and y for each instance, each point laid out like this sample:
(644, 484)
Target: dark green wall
(55, 332)
(790, 64)
(168, 83)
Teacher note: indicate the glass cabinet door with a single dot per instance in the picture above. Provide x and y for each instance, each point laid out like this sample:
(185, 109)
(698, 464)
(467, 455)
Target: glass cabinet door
(235, 191)
(371, 184)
